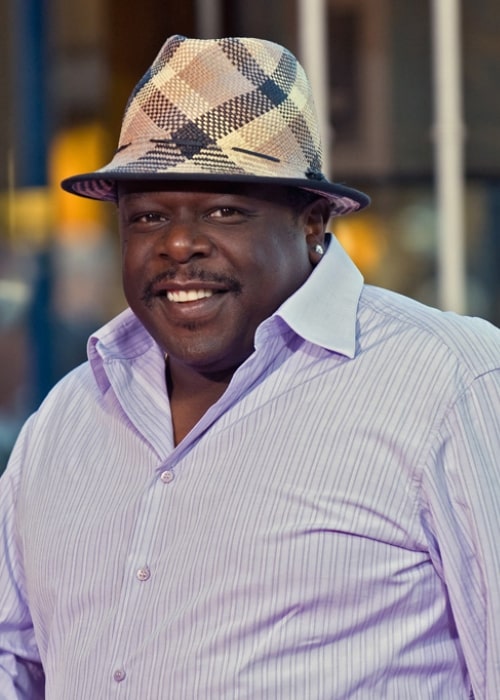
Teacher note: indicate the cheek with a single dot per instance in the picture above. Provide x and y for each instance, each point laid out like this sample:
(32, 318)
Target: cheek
(125, 255)
(282, 262)
(132, 270)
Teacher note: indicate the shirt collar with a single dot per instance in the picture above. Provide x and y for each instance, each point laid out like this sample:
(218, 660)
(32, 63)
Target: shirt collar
(323, 311)
(122, 338)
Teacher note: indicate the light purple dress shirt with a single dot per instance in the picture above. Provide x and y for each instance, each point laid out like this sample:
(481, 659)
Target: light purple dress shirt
(328, 530)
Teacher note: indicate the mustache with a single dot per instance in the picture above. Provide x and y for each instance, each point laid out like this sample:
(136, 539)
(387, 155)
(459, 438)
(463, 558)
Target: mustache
(230, 284)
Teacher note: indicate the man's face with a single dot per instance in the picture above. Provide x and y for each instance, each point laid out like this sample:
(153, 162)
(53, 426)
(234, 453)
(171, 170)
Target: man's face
(204, 265)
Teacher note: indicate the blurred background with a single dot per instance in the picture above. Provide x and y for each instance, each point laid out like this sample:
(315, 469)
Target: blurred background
(379, 69)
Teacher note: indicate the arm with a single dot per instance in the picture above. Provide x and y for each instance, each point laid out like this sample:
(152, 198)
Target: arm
(21, 673)
(462, 487)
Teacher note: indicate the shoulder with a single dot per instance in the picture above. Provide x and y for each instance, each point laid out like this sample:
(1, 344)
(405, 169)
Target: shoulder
(64, 410)
(470, 346)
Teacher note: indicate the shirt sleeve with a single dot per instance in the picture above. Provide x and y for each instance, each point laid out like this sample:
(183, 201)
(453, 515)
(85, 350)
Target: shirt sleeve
(462, 488)
(21, 673)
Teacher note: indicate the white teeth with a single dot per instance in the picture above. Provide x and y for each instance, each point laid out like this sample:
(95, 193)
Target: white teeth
(183, 295)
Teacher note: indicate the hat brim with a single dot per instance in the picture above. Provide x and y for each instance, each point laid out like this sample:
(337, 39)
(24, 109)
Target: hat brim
(103, 186)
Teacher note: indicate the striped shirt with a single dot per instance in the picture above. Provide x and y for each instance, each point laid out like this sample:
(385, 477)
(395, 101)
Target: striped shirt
(328, 530)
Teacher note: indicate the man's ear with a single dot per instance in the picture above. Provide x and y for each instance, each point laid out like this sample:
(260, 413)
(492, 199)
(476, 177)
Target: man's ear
(316, 218)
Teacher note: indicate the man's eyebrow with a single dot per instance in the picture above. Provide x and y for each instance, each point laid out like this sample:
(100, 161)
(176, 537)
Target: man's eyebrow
(130, 196)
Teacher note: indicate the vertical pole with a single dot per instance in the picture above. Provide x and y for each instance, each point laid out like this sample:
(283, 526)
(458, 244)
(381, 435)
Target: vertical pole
(28, 88)
(30, 168)
(312, 35)
(449, 156)
(208, 19)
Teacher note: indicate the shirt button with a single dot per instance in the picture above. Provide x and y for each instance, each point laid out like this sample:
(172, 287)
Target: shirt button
(143, 573)
(119, 675)
(167, 476)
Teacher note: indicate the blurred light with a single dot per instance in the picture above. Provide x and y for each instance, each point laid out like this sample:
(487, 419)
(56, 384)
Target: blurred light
(77, 149)
(14, 299)
(26, 214)
(363, 239)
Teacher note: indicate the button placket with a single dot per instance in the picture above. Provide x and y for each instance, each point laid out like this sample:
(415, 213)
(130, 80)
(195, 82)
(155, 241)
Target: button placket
(140, 574)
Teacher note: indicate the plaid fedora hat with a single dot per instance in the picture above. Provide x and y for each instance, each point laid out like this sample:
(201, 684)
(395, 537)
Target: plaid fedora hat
(230, 109)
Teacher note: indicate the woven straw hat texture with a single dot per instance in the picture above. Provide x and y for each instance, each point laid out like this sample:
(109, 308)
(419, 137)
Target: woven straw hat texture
(231, 109)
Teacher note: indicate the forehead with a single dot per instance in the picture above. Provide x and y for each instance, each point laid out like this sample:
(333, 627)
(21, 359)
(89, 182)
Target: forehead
(267, 193)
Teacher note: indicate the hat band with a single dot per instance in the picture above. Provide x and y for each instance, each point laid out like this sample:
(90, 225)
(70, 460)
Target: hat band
(184, 156)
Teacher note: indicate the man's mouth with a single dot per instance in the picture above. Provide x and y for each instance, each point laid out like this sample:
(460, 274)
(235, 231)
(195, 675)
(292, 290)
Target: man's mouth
(180, 296)
(185, 291)
(165, 286)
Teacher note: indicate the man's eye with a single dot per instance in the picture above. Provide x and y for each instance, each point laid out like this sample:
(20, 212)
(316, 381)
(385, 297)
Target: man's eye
(149, 217)
(225, 213)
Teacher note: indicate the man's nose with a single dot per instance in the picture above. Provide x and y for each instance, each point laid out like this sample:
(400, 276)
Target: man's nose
(182, 239)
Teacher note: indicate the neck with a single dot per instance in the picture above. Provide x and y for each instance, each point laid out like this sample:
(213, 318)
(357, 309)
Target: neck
(191, 394)
(182, 380)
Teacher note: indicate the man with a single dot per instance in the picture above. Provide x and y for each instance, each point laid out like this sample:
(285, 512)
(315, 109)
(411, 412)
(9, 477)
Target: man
(270, 481)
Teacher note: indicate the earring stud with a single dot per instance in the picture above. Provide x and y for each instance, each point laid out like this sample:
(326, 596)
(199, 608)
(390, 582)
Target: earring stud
(319, 249)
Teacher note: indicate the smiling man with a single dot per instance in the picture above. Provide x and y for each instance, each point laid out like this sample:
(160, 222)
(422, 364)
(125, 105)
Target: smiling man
(269, 481)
